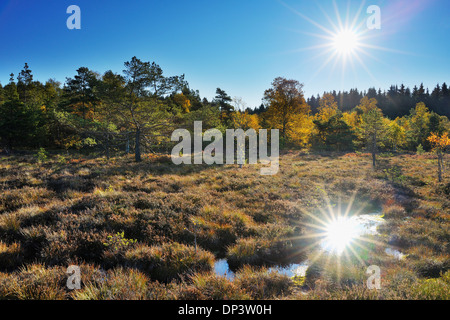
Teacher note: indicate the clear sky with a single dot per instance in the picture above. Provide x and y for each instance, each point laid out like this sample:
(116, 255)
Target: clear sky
(237, 45)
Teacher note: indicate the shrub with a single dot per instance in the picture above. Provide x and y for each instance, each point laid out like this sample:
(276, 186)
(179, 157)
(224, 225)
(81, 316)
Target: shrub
(118, 241)
(397, 284)
(35, 282)
(10, 256)
(14, 199)
(431, 268)
(433, 289)
(122, 284)
(404, 284)
(212, 287)
(354, 292)
(247, 251)
(259, 252)
(313, 273)
(262, 284)
(394, 212)
(60, 159)
(169, 261)
(218, 228)
(420, 150)
(41, 155)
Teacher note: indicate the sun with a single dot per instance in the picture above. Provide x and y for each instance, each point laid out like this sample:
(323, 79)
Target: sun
(346, 42)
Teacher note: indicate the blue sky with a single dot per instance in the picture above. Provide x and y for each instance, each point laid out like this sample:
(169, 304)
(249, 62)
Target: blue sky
(237, 45)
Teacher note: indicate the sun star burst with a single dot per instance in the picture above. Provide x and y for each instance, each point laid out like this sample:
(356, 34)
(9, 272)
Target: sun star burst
(346, 42)
(340, 233)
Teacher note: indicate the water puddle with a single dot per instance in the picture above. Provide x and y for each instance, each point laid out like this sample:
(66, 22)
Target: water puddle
(343, 231)
(293, 270)
(368, 223)
(365, 224)
(395, 253)
(221, 268)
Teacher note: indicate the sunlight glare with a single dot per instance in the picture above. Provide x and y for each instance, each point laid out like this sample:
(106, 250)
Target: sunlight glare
(340, 233)
(345, 42)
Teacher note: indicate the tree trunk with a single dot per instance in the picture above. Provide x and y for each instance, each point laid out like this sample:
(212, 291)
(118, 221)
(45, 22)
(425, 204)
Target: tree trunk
(107, 146)
(440, 166)
(137, 153)
(374, 150)
(127, 147)
(9, 147)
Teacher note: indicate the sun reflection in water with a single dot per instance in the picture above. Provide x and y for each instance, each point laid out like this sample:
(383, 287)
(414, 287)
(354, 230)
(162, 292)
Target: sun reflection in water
(340, 233)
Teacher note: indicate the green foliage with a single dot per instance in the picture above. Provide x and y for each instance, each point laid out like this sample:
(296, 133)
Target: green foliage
(118, 241)
(60, 159)
(395, 174)
(419, 125)
(420, 151)
(223, 100)
(89, 142)
(42, 155)
(433, 289)
(18, 122)
(335, 133)
(141, 107)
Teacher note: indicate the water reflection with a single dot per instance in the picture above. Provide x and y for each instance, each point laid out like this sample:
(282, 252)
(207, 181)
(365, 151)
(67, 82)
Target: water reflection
(395, 253)
(221, 268)
(341, 232)
(293, 270)
(365, 224)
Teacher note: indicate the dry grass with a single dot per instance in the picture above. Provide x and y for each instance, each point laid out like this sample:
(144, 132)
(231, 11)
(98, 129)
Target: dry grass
(55, 214)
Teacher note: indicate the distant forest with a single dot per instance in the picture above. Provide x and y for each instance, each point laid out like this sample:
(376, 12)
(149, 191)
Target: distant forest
(395, 102)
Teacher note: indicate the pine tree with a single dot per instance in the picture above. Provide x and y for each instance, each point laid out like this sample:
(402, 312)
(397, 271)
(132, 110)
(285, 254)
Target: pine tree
(144, 109)
(24, 83)
(16, 124)
(80, 93)
(1, 94)
(226, 109)
(111, 92)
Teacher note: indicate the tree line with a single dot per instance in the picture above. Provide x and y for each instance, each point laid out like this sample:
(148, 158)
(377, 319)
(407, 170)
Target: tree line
(138, 109)
(394, 102)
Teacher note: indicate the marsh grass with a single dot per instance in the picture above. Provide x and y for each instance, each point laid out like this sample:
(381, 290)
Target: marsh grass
(62, 211)
(169, 261)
